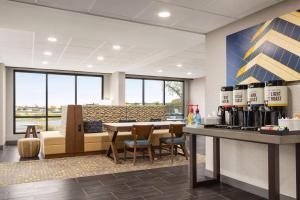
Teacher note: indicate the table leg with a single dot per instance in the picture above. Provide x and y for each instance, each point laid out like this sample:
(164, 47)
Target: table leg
(298, 171)
(273, 168)
(216, 153)
(193, 161)
(27, 134)
(34, 133)
(112, 147)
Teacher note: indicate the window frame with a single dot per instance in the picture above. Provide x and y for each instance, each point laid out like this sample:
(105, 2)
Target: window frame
(164, 90)
(46, 117)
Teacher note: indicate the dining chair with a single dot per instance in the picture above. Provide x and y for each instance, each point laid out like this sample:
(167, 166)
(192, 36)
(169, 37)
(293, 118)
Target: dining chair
(176, 140)
(141, 139)
(126, 120)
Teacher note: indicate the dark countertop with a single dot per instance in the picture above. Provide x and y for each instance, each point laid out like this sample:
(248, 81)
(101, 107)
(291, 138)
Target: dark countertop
(241, 135)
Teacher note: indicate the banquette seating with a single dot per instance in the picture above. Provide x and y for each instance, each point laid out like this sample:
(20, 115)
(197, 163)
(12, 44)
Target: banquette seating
(57, 143)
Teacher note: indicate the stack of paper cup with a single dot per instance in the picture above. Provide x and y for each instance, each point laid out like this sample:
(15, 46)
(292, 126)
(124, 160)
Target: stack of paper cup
(291, 124)
(283, 122)
(296, 124)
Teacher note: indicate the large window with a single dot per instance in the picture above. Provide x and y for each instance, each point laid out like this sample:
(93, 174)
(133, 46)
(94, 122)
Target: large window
(134, 91)
(30, 100)
(156, 92)
(39, 97)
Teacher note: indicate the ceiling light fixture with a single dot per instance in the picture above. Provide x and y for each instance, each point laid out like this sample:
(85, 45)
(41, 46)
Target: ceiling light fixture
(179, 65)
(160, 71)
(189, 73)
(45, 62)
(52, 39)
(100, 58)
(90, 66)
(48, 53)
(116, 47)
(164, 14)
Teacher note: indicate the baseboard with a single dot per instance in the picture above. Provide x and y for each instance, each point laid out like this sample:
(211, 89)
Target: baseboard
(246, 186)
(11, 142)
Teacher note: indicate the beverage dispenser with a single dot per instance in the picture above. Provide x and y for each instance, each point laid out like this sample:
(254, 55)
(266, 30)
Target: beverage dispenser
(276, 101)
(255, 113)
(225, 106)
(239, 109)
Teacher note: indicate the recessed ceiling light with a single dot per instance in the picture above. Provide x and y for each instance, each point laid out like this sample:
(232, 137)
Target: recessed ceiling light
(160, 71)
(48, 53)
(100, 58)
(179, 65)
(89, 66)
(52, 39)
(189, 73)
(164, 14)
(116, 47)
(45, 62)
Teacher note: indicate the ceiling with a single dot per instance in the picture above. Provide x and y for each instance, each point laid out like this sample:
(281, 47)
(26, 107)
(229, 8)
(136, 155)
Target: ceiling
(199, 16)
(153, 49)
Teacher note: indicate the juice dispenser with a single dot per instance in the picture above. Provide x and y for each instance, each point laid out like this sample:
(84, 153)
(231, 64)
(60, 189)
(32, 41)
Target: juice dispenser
(276, 101)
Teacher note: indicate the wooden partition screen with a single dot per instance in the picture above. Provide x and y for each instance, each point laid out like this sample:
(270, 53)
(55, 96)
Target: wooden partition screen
(74, 130)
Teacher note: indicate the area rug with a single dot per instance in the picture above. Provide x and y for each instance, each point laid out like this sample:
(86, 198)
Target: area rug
(72, 167)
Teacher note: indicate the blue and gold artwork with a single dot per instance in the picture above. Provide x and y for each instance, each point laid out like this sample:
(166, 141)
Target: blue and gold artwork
(268, 51)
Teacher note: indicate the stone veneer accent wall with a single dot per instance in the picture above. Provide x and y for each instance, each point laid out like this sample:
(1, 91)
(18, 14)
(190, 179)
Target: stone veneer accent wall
(109, 114)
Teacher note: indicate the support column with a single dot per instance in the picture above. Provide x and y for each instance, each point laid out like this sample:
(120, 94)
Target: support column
(117, 88)
(2, 105)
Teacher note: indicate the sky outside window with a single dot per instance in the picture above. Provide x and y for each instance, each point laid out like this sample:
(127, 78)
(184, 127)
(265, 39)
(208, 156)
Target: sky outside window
(134, 91)
(154, 91)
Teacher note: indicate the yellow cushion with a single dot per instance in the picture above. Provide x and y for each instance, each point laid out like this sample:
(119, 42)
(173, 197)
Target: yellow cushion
(52, 138)
(54, 149)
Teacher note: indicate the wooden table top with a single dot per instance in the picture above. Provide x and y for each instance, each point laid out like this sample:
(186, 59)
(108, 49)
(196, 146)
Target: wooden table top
(128, 125)
(241, 135)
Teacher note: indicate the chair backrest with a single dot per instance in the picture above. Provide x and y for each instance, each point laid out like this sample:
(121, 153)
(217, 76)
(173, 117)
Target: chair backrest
(126, 120)
(155, 120)
(176, 129)
(142, 132)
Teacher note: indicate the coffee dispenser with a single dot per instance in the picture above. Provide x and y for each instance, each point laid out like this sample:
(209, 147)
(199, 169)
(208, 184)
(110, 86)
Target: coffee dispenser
(225, 106)
(239, 109)
(276, 101)
(255, 113)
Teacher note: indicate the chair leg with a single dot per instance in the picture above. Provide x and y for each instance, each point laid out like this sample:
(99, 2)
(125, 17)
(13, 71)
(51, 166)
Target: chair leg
(184, 151)
(125, 152)
(172, 153)
(160, 150)
(134, 155)
(153, 152)
(150, 154)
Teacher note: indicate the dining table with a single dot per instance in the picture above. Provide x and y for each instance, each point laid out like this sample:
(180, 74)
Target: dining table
(114, 128)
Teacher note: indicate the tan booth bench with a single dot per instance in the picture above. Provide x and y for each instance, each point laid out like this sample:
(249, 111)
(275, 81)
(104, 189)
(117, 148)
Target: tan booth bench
(53, 143)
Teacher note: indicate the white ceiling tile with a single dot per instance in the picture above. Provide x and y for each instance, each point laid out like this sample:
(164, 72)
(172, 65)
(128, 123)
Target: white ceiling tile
(203, 22)
(120, 8)
(77, 5)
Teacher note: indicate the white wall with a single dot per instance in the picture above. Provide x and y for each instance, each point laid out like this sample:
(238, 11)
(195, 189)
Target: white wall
(2, 104)
(196, 90)
(240, 160)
